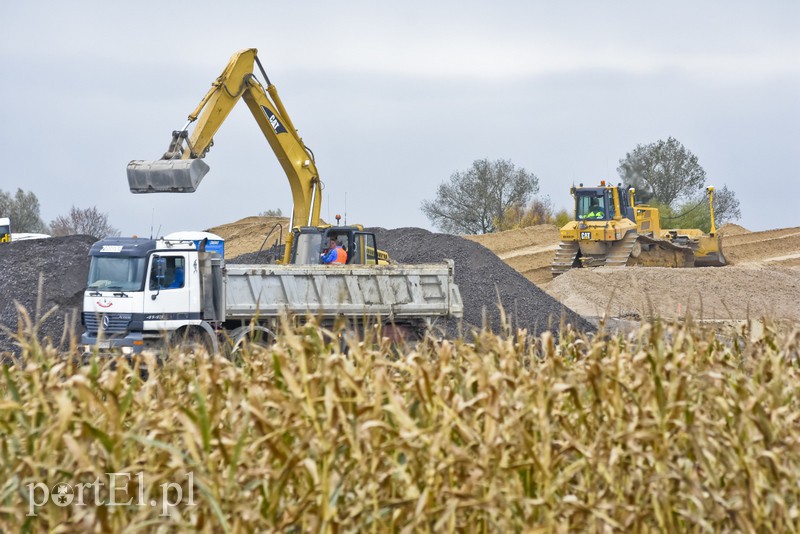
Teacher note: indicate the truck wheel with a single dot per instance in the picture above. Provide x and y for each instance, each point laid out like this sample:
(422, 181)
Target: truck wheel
(249, 336)
(402, 333)
(193, 341)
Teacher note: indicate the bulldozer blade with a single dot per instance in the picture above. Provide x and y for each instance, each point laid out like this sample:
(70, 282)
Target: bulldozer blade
(712, 259)
(166, 175)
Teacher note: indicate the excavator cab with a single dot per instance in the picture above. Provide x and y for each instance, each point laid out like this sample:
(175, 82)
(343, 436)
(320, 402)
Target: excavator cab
(310, 242)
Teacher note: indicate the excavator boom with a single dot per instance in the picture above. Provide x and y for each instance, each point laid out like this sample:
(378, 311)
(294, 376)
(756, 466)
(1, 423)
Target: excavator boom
(181, 168)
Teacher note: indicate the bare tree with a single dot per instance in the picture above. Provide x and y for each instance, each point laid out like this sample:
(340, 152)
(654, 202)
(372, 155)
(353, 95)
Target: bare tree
(87, 221)
(667, 174)
(694, 213)
(475, 200)
(539, 211)
(726, 206)
(23, 210)
(664, 171)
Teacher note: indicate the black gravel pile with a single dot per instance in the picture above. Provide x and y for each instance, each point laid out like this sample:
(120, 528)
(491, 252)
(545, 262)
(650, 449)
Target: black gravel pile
(270, 255)
(484, 281)
(63, 265)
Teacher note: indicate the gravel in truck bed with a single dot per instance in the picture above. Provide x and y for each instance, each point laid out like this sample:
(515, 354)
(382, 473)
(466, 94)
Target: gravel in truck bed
(63, 264)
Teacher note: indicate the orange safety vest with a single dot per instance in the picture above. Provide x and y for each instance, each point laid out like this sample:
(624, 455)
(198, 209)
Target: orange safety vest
(336, 255)
(341, 256)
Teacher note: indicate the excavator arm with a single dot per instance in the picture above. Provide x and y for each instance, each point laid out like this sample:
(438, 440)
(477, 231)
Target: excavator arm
(181, 168)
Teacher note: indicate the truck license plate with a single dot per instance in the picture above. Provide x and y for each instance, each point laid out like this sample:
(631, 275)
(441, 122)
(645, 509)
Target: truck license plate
(586, 235)
(103, 344)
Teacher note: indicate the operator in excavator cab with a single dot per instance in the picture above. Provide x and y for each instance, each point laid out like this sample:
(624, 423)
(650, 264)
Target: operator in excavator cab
(334, 253)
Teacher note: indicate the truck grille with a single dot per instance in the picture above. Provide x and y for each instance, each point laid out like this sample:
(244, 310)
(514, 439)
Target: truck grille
(111, 323)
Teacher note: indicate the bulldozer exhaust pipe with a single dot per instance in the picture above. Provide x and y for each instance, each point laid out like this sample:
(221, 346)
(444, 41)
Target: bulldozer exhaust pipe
(166, 175)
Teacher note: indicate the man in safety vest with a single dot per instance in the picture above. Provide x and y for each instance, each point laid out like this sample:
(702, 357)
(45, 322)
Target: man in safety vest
(335, 253)
(595, 211)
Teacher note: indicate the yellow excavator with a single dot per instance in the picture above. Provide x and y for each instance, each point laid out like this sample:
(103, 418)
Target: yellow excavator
(611, 229)
(181, 168)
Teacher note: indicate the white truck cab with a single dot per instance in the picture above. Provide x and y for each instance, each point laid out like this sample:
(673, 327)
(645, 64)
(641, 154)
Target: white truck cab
(140, 288)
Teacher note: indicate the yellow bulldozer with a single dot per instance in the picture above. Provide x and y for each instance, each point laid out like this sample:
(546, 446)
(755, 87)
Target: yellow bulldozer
(611, 229)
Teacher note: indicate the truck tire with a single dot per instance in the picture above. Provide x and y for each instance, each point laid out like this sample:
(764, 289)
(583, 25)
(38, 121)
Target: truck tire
(194, 340)
(249, 336)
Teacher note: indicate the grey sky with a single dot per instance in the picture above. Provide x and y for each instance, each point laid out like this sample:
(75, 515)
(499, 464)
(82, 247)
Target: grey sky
(394, 98)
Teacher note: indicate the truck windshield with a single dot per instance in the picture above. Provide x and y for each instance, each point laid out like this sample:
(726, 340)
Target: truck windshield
(124, 273)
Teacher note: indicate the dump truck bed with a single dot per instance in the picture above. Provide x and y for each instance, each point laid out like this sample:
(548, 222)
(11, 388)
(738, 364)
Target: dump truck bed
(393, 292)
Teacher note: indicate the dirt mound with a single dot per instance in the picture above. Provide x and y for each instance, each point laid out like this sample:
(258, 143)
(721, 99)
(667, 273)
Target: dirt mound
(779, 247)
(247, 235)
(483, 279)
(63, 265)
(529, 250)
(710, 293)
(511, 242)
(731, 229)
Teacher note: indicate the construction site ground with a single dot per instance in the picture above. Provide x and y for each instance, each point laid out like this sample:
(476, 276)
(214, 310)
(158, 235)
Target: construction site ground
(762, 278)
(47, 277)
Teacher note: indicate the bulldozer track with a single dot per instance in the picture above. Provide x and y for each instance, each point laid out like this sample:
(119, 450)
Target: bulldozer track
(565, 258)
(621, 250)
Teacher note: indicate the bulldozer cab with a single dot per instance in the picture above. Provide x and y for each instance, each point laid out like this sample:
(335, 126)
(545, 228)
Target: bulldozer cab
(593, 204)
(598, 203)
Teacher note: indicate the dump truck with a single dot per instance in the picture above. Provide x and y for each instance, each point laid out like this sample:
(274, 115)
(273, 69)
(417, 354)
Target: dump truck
(610, 229)
(147, 293)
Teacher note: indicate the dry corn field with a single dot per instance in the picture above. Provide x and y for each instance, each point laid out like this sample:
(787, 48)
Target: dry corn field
(668, 429)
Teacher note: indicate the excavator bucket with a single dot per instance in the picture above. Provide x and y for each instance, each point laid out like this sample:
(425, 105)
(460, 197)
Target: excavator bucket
(166, 175)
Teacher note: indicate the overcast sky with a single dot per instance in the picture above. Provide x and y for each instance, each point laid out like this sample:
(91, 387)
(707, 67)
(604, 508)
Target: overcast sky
(395, 97)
